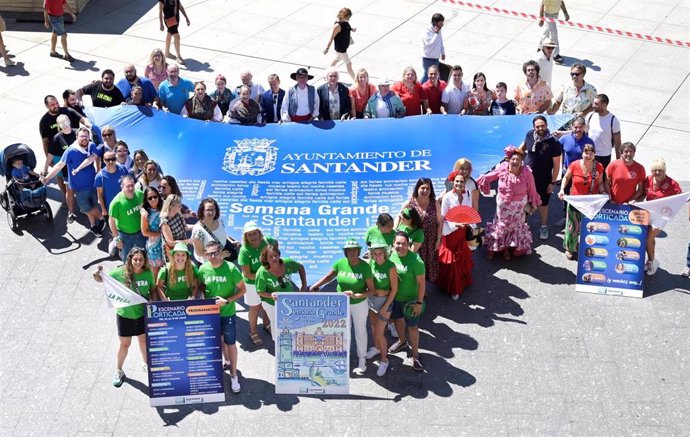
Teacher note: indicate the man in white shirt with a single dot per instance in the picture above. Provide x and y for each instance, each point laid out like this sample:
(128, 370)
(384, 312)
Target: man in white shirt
(301, 102)
(432, 44)
(453, 97)
(545, 60)
(604, 128)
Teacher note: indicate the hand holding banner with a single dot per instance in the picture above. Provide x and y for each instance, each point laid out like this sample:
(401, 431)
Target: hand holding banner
(664, 209)
(118, 295)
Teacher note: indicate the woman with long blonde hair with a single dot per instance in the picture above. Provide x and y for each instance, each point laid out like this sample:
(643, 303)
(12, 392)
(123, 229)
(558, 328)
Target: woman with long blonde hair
(178, 279)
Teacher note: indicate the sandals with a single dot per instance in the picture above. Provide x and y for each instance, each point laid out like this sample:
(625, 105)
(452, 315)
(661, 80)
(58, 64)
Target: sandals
(267, 328)
(569, 255)
(256, 339)
(55, 55)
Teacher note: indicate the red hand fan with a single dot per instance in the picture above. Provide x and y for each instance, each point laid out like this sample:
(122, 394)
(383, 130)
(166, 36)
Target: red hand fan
(463, 214)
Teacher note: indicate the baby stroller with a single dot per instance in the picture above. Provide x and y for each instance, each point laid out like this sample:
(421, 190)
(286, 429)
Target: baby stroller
(22, 199)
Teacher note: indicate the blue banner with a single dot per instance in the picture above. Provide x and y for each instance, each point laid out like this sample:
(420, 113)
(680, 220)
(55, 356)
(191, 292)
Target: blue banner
(313, 343)
(312, 185)
(185, 358)
(612, 251)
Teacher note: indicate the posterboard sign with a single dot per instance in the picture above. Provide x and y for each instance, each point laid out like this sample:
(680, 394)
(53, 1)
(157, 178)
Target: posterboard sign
(185, 358)
(612, 251)
(313, 344)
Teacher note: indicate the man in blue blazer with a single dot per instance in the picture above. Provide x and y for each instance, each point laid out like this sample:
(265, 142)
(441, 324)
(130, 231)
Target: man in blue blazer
(272, 100)
(330, 91)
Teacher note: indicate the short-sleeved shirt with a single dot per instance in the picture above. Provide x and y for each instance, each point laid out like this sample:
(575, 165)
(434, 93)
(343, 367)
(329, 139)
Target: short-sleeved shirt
(110, 182)
(572, 147)
(21, 173)
(416, 235)
(249, 256)
(624, 179)
(454, 97)
(149, 92)
(505, 108)
(352, 278)
(48, 125)
(73, 157)
(101, 97)
(267, 282)
(572, 101)
(174, 97)
(434, 94)
(409, 267)
(530, 99)
(381, 272)
(581, 183)
(375, 234)
(61, 142)
(411, 99)
(668, 187)
(144, 283)
(127, 212)
(56, 8)
(540, 154)
(199, 232)
(181, 290)
(221, 282)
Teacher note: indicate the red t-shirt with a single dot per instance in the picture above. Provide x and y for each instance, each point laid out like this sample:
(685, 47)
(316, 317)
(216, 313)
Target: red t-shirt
(434, 94)
(624, 180)
(361, 99)
(55, 8)
(580, 182)
(411, 100)
(668, 187)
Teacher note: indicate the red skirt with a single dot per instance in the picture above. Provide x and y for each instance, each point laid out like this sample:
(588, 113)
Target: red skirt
(456, 263)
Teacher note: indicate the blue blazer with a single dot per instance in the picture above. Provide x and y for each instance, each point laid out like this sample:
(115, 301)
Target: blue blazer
(343, 95)
(266, 103)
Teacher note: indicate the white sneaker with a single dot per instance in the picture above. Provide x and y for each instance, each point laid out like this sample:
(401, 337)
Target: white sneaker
(235, 384)
(455, 297)
(372, 353)
(653, 267)
(382, 369)
(543, 233)
(361, 368)
(392, 330)
(685, 272)
(118, 378)
(561, 222)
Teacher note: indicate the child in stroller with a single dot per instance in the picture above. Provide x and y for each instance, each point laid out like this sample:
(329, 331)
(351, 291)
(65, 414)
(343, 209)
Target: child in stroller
(22, 173)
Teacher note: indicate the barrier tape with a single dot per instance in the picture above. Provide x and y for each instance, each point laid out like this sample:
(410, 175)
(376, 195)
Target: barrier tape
(583, 26)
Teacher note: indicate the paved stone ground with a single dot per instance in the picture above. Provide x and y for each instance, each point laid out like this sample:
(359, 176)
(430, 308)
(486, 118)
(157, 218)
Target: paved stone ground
(519, 354)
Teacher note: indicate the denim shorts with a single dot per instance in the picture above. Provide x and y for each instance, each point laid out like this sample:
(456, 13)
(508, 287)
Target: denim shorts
(86, 200)
(397, 313)
(229, 330)
(58, 24)
(376, 302)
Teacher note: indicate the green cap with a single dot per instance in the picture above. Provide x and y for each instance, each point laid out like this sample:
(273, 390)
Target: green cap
(351, 243)
(378, 244)
(250, 226)
(180, 247)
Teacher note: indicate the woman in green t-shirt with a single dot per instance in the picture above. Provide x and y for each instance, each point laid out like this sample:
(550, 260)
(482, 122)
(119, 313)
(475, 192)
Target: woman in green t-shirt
(274, 276)
(382, 230)
(411, 223)
(381, 301)
(137, 276)
(354, 278)
(178, 279)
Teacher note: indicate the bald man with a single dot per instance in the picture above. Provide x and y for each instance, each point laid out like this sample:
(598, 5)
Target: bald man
(130, 80)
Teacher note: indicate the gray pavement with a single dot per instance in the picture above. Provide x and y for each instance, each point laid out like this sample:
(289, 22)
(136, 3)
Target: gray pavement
(521, 353)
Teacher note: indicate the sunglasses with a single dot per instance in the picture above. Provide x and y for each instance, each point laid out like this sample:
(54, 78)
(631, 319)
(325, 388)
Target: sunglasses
(108, 135)
(109, 159)
(213, 254)
(575, 74)
(150, 198)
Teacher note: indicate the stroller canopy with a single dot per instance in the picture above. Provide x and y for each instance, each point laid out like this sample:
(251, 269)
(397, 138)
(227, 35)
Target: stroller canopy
(13, 151)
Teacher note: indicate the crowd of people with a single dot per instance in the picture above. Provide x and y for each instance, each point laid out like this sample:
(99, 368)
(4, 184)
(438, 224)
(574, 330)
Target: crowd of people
(127, 194)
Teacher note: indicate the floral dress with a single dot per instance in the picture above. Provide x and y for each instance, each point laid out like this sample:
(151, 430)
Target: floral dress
(427, 251)
(154, 245)
(477, 105)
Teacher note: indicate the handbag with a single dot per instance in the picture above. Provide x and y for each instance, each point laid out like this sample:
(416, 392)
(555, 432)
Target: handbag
(228, 246)
(170, 22)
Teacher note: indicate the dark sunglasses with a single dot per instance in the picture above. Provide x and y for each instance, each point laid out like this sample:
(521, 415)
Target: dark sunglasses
(575, 74)
(150, 198)
(109, 159)
(108, 135)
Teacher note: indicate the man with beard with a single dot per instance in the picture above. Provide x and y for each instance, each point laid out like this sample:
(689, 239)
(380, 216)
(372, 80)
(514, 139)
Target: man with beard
(131, 80)
(104, 93)
(48, 126)
(604, 129)
(544, 158)
(69, 100)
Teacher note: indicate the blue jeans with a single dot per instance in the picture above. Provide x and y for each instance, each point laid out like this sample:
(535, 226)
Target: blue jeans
(426, 63)
(131, 240)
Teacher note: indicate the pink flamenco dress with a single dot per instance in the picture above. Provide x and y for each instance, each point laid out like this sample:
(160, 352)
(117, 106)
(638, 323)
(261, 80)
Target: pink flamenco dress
(454, 255)
(509, 229)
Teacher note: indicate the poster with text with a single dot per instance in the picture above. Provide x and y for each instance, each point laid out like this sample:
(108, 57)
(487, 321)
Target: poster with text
(313, 343)
(612, 251)
(185, 358)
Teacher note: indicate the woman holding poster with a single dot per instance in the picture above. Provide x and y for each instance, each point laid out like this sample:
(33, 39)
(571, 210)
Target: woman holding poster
(656, 186)
(354, 278)
(136, 275)
(178, 279)
(586, 175)
(517, 195)
(275, 275)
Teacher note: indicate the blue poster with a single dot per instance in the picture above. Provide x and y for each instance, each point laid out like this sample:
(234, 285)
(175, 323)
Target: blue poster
(313, 345)
(612, 251)
(185, 358)
(312, 186)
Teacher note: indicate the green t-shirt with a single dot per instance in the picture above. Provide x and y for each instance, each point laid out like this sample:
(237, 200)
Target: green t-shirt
(352, 278)
(267, 282)
(127, 212)
(374, 234)
(409, 267)
(250, 257)
(221, 282)
(181, 290)
(416, 235)
(144, 285)
(382, 280)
